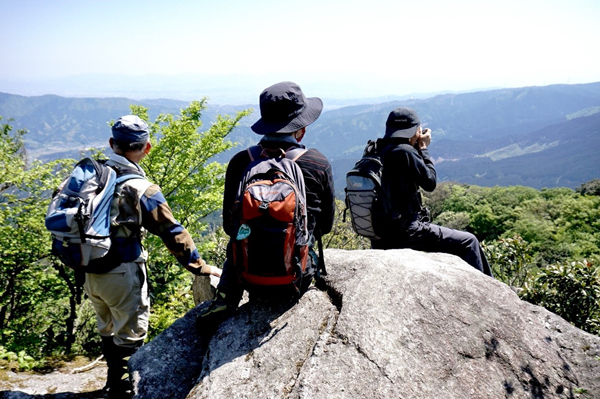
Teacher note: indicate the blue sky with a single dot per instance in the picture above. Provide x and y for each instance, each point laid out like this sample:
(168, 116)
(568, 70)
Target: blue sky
(399, 46)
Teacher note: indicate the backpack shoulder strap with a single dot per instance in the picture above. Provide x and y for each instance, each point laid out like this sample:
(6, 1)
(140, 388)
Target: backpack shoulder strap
(295, 153)
(125, 173)
(122, 171)
(123, 178)
(255, 152)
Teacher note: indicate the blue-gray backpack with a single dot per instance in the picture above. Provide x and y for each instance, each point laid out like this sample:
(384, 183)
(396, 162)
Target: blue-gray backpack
(365, 198)
(79, 215)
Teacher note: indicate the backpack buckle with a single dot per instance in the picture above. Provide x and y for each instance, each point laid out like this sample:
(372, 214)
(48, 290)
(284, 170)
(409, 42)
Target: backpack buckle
(264, 206)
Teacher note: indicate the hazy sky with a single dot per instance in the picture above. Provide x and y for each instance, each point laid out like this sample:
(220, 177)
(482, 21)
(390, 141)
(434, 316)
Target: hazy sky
(425, 45)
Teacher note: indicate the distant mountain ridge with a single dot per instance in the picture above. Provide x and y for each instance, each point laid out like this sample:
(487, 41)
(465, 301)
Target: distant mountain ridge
(498, 137)
(337, 89)
(560, 155)
(59, 126)
(465, 117)
(535, 136)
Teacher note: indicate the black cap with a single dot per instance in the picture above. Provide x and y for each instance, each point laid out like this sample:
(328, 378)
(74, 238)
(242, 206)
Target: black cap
(402, 122)
(284, 109)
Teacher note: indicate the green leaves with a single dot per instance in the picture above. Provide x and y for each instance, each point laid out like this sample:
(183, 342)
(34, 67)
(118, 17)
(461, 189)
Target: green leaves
(571, 290)
(12, 155)
(180, 161)
(342, 236)
(511, 260)
(25, 287)
(24, 361)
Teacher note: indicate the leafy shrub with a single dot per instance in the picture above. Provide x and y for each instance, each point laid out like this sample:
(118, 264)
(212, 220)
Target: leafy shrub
(569, 289)
(453, 220)
(590, 188)
(511, 260)
(214, 247)
(171, 303)
(23, 361)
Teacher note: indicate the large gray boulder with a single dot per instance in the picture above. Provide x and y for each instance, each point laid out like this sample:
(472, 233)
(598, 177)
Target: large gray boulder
(382, 324)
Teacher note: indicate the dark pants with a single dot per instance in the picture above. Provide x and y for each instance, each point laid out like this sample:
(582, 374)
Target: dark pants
(232, 286)
(427, 237)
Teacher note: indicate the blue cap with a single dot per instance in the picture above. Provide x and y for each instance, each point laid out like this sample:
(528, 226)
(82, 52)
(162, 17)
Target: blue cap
(130, 129)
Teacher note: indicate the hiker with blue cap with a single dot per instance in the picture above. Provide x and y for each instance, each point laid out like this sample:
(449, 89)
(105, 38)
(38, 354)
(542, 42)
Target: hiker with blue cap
(120, 295)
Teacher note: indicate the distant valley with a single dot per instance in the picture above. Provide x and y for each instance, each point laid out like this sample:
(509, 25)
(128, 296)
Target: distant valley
(535, 136)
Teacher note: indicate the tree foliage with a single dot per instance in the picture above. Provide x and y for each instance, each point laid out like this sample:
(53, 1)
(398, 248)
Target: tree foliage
(29, 284)
(590, 188)
(342, 236)
(12, 155)
(511, 260)
(569, 289)
(40, 305)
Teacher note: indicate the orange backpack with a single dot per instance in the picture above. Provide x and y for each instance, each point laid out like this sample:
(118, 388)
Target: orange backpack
(270, 215)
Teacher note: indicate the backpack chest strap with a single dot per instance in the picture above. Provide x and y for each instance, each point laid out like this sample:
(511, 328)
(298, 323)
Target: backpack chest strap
(258, 151)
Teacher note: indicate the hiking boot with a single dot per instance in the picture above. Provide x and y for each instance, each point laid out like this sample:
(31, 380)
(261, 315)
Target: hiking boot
(218, 310)
(118, 384)
(123, 389)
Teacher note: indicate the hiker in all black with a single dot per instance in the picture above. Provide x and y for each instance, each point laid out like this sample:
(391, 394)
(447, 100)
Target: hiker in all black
(285, 113)
(407, 167)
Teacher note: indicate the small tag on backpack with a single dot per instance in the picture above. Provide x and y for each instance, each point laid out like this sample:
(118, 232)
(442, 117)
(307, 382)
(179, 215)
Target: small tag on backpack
(243, 232)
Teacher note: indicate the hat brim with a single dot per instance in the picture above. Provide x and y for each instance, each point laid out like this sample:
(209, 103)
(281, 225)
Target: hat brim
(310, 113)
(402, 133)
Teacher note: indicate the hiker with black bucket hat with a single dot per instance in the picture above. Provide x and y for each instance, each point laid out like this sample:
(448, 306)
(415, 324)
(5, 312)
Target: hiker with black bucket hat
(285, 113)
(407, 167)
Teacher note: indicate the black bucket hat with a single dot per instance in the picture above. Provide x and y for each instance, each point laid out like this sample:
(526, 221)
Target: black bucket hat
(402, 122)
(285, 109)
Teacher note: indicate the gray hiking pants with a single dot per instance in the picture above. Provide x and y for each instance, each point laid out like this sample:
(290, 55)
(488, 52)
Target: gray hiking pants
(120, 299)
(427, 237)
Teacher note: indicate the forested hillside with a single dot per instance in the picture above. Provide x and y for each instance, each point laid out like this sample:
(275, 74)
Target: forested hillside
(499, 137)
(466, 117)
(560, 155)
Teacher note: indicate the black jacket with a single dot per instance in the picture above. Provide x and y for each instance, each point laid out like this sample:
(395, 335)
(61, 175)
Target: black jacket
(318, 178)
(405, 170)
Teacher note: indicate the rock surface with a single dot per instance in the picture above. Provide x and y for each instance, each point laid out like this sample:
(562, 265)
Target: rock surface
(382, 324)
(71, 381)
